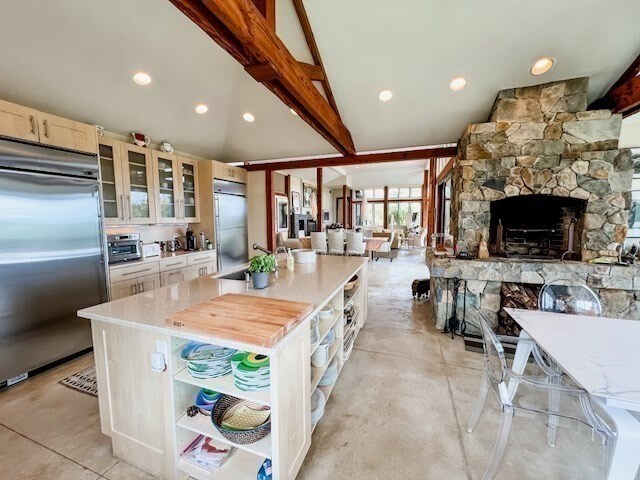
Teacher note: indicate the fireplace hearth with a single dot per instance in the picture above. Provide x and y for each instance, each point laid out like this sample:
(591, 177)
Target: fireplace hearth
(542, 177)
(537, 227)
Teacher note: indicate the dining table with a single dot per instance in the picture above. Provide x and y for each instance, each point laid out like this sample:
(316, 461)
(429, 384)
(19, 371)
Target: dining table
(601, 355)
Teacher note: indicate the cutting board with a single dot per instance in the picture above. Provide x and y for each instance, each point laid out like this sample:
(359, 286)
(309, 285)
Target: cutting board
(242, 318)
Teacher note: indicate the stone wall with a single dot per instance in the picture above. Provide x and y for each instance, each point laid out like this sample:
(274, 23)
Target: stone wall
(618, 287)
(540, 140)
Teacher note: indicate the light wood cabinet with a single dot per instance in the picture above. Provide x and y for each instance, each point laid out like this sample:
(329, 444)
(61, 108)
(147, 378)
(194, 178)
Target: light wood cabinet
(28, 124)
(138, 184)
(65, 133)
(167, 181)
(232, 173)
(197, 271)
(172, 277)
(133, 286)
(18, 122)
(188, 190)
(111, 180)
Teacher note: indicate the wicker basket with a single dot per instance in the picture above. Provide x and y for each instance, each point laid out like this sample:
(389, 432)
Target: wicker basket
(235, 436)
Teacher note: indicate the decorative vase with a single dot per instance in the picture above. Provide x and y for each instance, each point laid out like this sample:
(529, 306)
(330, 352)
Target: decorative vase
(483, 250)
(260, 279)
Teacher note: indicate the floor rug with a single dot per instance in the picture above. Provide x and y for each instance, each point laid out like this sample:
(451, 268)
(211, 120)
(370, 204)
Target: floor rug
(84, 381)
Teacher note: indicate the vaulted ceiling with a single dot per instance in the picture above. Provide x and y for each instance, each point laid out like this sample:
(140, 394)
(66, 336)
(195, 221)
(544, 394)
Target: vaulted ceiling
(75, 58)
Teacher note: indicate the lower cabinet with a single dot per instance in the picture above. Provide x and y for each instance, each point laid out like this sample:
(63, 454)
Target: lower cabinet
(127, 280)
(133, 286)
(197, 271)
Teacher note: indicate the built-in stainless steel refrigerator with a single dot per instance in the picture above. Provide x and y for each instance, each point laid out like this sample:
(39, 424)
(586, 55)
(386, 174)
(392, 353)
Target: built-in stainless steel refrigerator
(51, 256)
(230, 223)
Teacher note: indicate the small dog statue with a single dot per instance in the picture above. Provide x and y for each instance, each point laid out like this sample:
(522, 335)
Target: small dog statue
(420, 288)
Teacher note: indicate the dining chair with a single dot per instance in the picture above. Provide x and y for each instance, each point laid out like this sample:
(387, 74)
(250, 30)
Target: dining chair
(570, 296)
(498, 376)
(319, 242)
(355, 243)
(336, 242)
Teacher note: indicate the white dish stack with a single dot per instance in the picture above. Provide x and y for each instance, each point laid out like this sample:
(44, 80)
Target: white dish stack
(315, 332)
(331, 374)
(317, 406)
(321, 355)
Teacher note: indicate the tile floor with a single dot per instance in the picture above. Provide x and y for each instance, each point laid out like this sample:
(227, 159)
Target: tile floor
(399, 411)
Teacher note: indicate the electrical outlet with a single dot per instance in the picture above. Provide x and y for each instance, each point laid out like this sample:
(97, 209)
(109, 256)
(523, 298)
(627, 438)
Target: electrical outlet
(163, 348)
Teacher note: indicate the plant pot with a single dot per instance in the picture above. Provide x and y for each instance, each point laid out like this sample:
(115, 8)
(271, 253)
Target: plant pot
(260, 279)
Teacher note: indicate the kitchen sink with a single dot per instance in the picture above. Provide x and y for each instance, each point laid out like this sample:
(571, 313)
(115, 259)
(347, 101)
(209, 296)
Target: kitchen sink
(239, 275)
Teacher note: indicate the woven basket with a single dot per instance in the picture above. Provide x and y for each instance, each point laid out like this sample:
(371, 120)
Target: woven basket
(240, 437)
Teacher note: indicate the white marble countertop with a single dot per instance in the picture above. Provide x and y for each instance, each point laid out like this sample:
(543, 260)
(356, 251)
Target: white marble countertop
(313, 283)
(601, 354)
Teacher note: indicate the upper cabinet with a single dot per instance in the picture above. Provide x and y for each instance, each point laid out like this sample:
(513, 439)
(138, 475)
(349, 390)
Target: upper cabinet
(188, 190)
(112, 182)
(223, 171)
(165, 167)
(138, 184)
(28, 124)
(65, 133)
(177, 187)
(18, 121)
(144, 186)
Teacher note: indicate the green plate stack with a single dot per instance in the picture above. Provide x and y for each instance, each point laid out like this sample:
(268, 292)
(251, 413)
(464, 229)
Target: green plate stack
(251, 371)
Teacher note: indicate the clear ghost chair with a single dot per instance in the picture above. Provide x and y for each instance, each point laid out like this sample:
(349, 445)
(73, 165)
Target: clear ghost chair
(528, 397)
(570, 296)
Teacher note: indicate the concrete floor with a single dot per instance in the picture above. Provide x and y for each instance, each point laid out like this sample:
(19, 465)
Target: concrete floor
(398, 411)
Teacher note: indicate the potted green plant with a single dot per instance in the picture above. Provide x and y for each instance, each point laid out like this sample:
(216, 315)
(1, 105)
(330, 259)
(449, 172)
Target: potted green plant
(260, 267)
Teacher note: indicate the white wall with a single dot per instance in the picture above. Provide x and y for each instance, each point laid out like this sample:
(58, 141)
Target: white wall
(257, 209)
(630, 132)
(382, 178)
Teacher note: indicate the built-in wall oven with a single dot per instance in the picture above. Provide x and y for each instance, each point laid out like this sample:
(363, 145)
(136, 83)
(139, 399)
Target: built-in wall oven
(124, 248)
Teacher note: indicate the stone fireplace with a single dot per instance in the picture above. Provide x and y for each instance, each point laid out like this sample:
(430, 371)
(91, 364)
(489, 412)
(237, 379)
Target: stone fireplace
(542, 180)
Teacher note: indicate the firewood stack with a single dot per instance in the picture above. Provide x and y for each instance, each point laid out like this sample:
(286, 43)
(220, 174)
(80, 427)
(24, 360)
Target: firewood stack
(515, 295)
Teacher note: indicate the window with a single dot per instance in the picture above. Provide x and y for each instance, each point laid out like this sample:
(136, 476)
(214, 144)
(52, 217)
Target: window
(404, 192)
(378, 193)
(375, 214)
(394, 192)
(399, 213)
(416, 192)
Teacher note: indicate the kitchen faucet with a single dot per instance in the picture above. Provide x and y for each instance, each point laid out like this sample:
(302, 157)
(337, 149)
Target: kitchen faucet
(268, 252)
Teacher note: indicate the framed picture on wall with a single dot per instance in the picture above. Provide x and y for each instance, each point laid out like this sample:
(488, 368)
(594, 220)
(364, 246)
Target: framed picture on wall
(282, 212)
(325, 216)
(309, 193)
(295, 202)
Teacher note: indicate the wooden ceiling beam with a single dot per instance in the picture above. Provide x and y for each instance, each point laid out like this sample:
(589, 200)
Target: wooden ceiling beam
(244, 27)
(624, 95)
(384, 157)
(315, 52)
(268, 10)
(315, 72)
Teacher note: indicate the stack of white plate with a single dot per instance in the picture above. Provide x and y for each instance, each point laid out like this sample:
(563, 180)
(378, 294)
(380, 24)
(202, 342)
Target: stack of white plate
(326, 311)
(315, 331)
(331, 374)
(317, 406)
(320, 356)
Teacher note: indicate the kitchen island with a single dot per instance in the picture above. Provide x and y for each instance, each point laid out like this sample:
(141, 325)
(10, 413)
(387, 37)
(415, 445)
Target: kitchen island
(144, 410)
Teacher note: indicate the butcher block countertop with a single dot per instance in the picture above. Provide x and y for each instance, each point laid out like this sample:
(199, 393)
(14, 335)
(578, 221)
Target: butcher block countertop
(255, 320)
(312, 284)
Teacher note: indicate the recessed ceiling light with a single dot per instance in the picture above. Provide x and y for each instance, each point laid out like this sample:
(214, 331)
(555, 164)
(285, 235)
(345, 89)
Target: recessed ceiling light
(385, 95)
(293, 112)
(458, 83)
(142, 78)
(542, 65)
(202, 108)
(248, 117)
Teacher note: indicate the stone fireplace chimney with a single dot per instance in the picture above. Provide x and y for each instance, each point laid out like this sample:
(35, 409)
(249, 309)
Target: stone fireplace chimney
(542, 145)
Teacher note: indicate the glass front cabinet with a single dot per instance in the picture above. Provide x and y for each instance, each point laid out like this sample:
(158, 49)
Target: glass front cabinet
(143, 186)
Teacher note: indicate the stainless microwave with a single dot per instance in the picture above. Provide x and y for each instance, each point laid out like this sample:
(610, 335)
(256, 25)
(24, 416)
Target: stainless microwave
(124, 248)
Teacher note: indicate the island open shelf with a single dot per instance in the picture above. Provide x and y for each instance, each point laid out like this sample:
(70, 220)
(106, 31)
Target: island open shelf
(144, 411)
